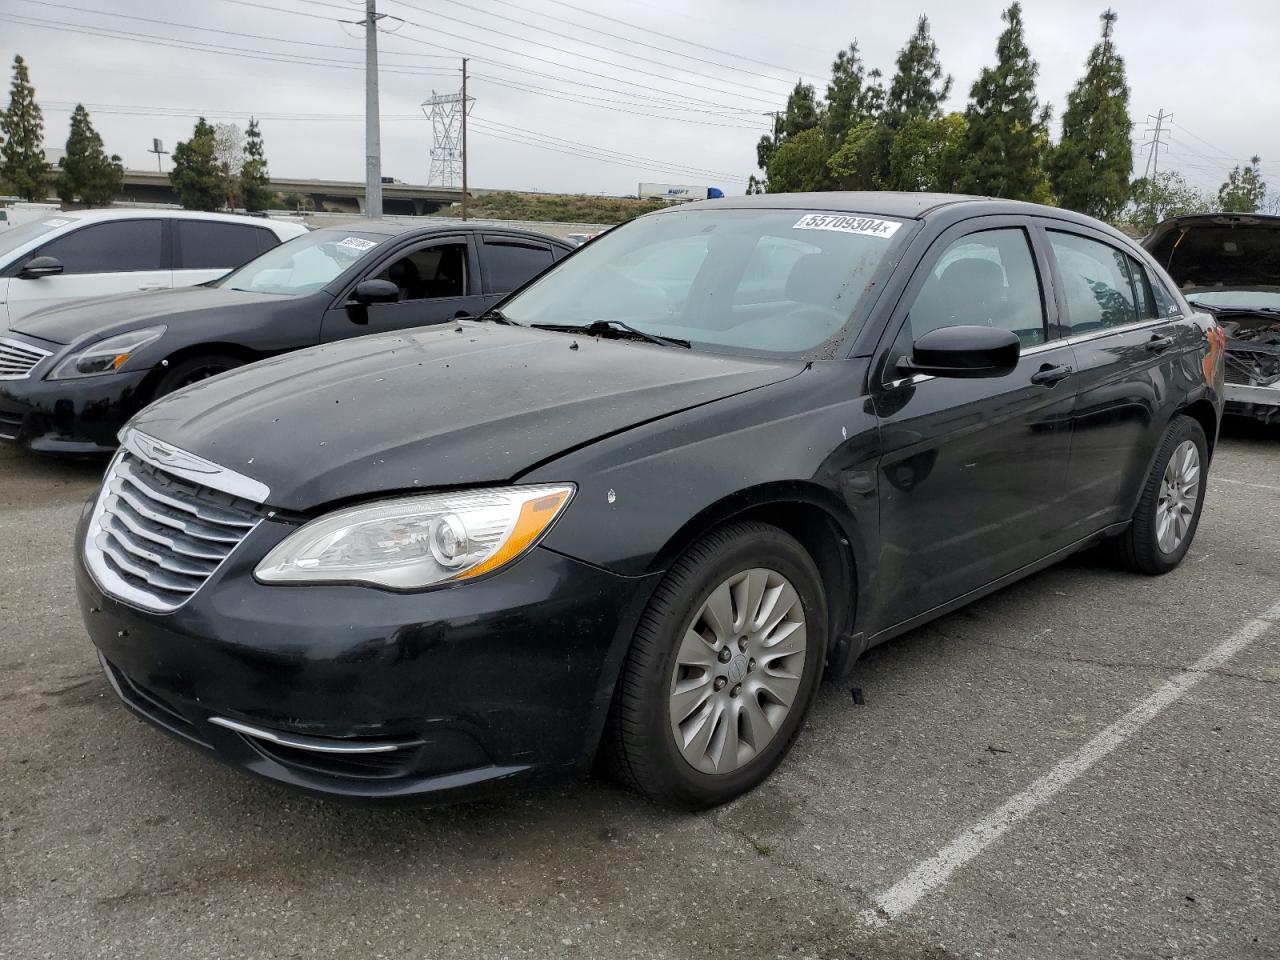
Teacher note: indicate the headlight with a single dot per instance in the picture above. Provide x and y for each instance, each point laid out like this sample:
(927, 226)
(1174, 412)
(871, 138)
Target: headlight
(106, 356)
(417, 542)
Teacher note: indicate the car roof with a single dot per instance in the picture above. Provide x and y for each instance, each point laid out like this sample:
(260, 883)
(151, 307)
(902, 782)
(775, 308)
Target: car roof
(136, 213)
(889, 203)
(392, 228)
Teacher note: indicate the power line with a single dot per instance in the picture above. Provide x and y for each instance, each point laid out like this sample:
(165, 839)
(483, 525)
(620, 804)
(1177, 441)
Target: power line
(572, 53)
(630, 40)
(790, 71)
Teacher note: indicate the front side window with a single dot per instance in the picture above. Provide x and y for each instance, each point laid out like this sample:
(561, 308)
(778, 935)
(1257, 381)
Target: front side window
(1096, 282)
(209, 245)
(304, 264)
(789, 282)
(983, 279)
(430, 273)
(120, 246)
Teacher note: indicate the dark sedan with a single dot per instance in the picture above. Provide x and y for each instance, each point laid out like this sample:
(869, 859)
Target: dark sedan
(645, 505)
(70, 376)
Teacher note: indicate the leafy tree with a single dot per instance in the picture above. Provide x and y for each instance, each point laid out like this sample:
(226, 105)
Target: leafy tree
(1164, 195)
(804, 111)
(1093, 162)
(925, 152)
(918, 88)
(254, 178)
(756, 186)
(853, 94)
(195, 176)
(800, 163)
(22, 163)
(1244, 190)
(855, 165)
(87, 172)
(1007, 135)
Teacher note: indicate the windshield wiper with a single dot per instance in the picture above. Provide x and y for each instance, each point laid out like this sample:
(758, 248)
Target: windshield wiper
(615, 329)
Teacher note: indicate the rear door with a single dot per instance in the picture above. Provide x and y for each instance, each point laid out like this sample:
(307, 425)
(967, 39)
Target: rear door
(1128, 356)
(204, 250)
(438, 282)
(98, 259)
(973, 470)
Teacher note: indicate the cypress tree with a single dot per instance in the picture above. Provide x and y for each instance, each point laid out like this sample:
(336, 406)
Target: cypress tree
(88, 174)
(253, 172)
(853, 94)
(1007, 134)
(1092, 164)
(918, 88)
(195, 175)
(22, 163)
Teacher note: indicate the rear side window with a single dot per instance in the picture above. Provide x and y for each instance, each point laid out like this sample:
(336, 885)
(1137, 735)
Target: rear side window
(205, 245)
(122, 246)
(509, 265)
(1096, 282)
(984, 279)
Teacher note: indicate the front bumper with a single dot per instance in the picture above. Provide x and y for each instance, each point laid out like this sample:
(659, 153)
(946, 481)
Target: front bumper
(70, 417)
(506, 679)
(1252, 400)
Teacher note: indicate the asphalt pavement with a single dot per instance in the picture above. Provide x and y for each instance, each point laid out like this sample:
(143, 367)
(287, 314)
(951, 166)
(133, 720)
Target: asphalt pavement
(1084, 765)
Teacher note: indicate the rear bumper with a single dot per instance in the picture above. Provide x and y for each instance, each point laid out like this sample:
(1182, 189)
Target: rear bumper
(353, 692)
(69, 417)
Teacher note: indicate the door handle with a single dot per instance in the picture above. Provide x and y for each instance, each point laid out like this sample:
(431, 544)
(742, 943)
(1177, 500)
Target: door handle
(1048, 375)
(1159, 344)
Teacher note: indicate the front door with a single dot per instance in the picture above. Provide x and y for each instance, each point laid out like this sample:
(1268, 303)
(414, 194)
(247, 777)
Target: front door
(437, 281)
(98, 260)
(1131, 356)
(972, 470)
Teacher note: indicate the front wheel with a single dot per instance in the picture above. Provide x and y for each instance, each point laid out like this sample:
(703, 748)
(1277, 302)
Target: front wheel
(1168, 513)
(723, 669)
(193, 370)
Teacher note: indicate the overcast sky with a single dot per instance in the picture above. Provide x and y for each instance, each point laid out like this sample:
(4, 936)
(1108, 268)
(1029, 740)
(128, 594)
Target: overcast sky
(685, 104)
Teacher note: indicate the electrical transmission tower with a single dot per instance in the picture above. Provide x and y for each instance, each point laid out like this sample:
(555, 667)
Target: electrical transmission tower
(1156, 141)
(448, 149)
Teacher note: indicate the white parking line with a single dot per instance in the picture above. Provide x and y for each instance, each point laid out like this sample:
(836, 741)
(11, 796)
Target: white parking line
(1244, 483)
(937, 870)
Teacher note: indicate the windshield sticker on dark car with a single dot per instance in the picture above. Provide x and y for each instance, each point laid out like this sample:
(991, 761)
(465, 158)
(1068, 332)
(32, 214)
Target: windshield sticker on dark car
(864, 226)
(357, 243)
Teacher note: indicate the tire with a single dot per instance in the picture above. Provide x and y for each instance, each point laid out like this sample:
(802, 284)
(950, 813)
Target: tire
(1147, 546)
(194, 369)
(755, 563)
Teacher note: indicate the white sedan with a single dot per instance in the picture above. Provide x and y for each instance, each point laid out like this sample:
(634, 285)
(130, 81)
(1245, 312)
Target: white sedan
(95, 253)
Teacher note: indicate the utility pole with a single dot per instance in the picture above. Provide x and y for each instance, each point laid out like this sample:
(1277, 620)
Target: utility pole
(1155, 143)
(372, 133)
(464, 136)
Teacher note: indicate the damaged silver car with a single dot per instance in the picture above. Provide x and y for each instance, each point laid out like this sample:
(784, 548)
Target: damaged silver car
(1228, 264)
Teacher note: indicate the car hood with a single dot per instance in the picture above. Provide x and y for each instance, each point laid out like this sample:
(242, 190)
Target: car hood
(76, 319)
(435, 407)
(1230, 250)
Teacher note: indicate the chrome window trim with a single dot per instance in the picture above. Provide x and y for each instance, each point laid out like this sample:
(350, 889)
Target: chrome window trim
(188, 466)
(1123, 328)
(43, 355)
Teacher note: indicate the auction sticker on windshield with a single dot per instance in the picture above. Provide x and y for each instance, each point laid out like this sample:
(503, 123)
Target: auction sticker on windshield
(357, 243)
(865, 226)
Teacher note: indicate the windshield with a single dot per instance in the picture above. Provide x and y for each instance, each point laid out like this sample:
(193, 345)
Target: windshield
(302, 265)
(1246, 299)
(23, 234)
(774, 282)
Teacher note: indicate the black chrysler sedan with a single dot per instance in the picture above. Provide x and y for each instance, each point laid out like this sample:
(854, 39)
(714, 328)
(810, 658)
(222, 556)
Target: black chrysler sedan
(640, 509)
(70, 376)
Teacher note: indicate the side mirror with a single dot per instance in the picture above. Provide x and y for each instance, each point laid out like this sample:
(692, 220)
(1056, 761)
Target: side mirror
(375, 291)
(38, 267)
(965, 352)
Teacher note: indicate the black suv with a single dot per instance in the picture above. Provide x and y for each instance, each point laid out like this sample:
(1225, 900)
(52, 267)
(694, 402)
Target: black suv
(70, 376)
(650, 499)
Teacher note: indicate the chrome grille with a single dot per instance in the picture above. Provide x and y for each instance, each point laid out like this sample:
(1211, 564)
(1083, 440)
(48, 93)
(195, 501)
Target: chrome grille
(17, 360)
(155, 536)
